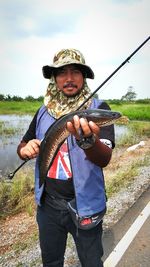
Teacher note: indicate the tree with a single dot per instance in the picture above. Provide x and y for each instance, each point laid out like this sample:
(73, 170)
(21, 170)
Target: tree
(29, 98)
(40, 98)
(130, 95)
(2, 97)
(8, 97)
(17, 98)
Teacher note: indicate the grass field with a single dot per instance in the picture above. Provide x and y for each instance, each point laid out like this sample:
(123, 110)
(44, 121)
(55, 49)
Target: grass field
(134, 111)
(20, 108)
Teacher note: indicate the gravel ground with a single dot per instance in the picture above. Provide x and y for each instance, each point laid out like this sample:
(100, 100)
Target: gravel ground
(117, 206)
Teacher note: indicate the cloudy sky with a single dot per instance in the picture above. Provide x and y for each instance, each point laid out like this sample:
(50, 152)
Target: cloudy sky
(105, 31)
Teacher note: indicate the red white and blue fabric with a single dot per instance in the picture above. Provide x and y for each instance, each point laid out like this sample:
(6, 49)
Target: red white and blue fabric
(61, 168)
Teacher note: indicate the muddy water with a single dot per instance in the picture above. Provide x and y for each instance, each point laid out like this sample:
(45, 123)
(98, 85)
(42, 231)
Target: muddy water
(9, 159)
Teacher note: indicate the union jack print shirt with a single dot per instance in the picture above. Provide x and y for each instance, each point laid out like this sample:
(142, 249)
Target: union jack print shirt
(61, 168)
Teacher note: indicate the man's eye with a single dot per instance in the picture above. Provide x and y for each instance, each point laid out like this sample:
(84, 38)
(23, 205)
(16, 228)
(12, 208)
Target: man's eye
(61, 72)
(76, 71)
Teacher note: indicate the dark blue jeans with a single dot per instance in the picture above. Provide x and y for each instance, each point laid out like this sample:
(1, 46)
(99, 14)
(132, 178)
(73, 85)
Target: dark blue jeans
(54, 226)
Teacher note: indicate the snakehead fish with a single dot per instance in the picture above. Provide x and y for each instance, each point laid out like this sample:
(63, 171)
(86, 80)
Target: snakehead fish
(57, 133)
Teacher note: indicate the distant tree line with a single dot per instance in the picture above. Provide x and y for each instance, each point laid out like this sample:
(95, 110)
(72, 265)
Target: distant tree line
(19, 98)
(130, 96)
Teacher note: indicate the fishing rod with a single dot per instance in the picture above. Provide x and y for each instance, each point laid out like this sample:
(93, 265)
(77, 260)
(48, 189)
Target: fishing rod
(112, 74)
(11, 175)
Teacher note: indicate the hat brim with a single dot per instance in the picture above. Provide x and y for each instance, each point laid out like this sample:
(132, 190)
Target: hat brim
(48, 70)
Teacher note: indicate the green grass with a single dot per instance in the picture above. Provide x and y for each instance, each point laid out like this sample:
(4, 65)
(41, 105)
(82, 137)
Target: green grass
(23, 107)
(134, 111)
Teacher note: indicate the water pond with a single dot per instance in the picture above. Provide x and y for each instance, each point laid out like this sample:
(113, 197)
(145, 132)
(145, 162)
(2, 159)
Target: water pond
(17, 126)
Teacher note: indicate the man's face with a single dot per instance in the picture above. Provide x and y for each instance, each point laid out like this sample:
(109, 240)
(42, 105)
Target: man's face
(69, 80)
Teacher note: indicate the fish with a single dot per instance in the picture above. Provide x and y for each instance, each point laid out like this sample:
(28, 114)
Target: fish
(57, 133)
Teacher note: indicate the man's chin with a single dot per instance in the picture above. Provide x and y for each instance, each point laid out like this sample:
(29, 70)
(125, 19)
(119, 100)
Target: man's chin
(71, 95)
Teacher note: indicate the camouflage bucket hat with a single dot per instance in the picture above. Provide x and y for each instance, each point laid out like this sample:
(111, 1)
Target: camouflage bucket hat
(67, 57)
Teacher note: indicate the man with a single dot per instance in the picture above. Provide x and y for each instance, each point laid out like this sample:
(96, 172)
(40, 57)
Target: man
(76, 175)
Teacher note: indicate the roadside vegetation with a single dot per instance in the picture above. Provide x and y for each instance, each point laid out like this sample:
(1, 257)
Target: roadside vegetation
(17, 195)
(122, 172)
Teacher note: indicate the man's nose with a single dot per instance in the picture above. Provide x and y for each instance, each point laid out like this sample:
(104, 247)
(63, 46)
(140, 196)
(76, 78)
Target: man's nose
(69, 76)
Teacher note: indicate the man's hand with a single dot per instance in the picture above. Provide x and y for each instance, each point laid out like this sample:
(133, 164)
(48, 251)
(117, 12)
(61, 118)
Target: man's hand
(99, 153)
(29, 150)
(87, 128)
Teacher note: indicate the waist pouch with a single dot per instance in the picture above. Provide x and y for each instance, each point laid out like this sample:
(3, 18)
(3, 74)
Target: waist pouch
(85, 222)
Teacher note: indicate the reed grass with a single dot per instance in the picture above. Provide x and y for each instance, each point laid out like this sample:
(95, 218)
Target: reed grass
(7, 130)
(17, 195)
(137, 131)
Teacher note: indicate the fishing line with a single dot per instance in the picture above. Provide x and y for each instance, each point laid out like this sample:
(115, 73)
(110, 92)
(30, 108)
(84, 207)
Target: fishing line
(127, 60)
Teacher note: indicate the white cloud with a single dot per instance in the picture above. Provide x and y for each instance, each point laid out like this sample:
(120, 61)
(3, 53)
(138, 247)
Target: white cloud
(27, 24)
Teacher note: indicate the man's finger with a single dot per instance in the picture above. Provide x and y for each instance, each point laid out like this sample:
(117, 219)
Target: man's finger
(94, 128)
(85, 127)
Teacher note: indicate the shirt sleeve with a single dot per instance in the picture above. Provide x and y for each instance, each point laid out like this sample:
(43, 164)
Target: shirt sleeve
(31, 132)
(107, 132)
